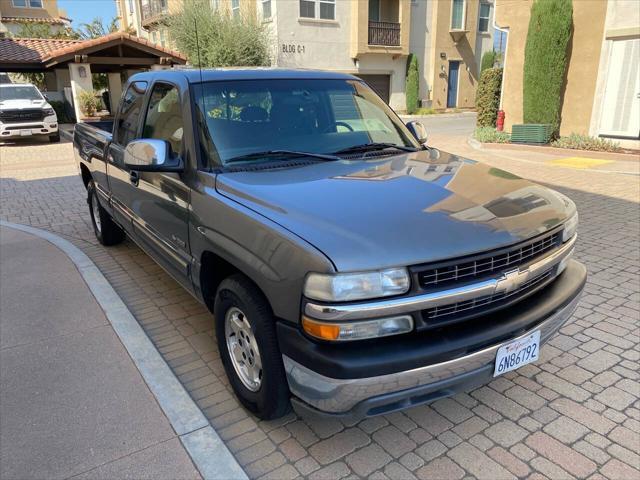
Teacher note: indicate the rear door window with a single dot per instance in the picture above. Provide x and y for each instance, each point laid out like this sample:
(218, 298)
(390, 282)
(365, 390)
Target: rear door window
(130, 109)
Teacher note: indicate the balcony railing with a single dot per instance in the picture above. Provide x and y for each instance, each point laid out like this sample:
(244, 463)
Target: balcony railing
(153, 10)
(384, 33)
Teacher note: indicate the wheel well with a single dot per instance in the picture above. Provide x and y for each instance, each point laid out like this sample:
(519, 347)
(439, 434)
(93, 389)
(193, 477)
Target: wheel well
(86, 174)
(214, 269)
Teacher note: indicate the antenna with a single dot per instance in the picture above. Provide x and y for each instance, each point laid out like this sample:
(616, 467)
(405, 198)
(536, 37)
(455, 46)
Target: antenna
(204, 110)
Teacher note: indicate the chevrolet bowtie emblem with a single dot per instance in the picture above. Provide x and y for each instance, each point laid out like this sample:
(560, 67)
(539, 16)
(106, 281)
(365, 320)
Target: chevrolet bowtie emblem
(511, 280)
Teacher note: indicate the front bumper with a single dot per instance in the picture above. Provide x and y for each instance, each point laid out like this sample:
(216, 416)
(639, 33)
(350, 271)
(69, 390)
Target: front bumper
(49, 126)
(354, 396)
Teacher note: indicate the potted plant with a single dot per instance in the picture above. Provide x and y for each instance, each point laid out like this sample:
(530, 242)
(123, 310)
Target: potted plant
(89, 103)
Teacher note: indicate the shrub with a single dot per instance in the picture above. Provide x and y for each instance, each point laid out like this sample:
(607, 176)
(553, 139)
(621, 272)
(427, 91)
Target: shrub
(488, 60)
(545, 61)
(491, 135)
(89, 103)
(61, 113)
(425, 111)
(488, 97)
(224, 40)
(585, 142)
(412, 84)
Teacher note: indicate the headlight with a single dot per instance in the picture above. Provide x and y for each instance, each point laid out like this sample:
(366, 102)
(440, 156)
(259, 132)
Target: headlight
(381, 327)
(49, 111)
(342, 287)
(570, 227)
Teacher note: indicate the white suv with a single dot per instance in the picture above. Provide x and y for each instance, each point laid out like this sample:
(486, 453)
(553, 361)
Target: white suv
(25, 112)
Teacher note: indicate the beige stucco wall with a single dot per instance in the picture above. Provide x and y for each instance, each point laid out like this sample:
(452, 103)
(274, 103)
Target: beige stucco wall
(585, 47)
(463, 51)
(49, 10)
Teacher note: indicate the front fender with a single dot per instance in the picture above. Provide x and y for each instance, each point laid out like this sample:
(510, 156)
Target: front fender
(271, 256)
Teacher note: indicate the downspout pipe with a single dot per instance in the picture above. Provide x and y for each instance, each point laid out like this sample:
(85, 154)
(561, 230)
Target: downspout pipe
(504, 30)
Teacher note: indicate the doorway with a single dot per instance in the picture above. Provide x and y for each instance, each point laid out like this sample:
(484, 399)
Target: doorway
(452, 84)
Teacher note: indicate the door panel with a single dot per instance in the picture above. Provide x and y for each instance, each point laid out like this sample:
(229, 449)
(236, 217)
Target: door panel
(452, 86)
(160, 206)
(621, 101)
(126, 129)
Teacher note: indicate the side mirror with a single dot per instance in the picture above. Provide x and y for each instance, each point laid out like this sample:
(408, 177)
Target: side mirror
(418, 130)
(151, 155)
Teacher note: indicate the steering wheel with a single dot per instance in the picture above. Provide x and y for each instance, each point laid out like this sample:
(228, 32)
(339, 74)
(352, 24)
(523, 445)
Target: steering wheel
(336, 124)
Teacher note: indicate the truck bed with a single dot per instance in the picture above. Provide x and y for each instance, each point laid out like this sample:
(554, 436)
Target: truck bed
(91, 138)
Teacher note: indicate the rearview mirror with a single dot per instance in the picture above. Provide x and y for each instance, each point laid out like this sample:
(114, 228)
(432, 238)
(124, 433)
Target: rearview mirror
(151, 155)
(419, 131)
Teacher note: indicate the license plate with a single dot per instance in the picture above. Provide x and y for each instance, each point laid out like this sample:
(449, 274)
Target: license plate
(518, 353)
(25, 133)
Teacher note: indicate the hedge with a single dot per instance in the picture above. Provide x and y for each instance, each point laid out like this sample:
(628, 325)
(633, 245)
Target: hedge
(488, 97)
(488, 60)
(412, 84)
(545, 61)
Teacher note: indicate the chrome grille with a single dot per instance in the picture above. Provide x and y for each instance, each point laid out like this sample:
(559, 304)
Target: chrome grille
(485, 265)
(476, 305)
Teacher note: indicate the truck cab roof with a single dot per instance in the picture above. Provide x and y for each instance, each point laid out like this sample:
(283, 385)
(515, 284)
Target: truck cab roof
(195, 75)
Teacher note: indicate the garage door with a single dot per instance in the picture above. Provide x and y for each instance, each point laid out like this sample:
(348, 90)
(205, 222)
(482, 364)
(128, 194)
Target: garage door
(379, 83)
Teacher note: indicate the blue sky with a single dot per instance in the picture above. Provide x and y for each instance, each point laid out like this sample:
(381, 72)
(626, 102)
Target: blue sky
(83, 11)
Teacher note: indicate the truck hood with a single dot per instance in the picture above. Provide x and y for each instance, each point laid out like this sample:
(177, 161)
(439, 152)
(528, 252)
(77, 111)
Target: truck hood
(402, 210)
(19, 104)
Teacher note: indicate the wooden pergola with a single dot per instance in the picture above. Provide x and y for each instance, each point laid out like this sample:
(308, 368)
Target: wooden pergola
(70, 63)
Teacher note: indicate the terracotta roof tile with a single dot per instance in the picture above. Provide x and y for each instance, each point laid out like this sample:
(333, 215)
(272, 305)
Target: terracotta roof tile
(50, 20)
(29, 50)
(64, 50)
(40, 50)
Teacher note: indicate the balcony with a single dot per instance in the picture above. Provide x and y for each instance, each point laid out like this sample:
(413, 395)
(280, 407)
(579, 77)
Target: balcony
(152, 11)
(385, 34)
(380, 27)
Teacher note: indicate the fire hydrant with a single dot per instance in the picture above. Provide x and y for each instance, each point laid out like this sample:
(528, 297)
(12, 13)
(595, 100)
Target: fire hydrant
(500, 121)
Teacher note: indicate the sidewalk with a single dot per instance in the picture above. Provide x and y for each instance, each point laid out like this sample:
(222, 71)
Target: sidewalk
(72, 401)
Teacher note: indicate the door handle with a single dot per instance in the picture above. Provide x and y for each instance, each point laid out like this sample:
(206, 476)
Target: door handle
(134, 177)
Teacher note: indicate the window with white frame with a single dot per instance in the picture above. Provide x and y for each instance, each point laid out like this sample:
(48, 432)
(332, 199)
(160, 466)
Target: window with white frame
(483, 17)
(266, 9)
(457, 14)
(235, 7)
(27, 3)
(321, 9)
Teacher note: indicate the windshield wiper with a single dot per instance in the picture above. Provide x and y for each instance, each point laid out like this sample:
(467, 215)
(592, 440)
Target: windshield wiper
(283, 153)
(369, 147)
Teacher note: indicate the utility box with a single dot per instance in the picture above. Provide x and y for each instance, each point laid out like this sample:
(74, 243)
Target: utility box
(538, 133)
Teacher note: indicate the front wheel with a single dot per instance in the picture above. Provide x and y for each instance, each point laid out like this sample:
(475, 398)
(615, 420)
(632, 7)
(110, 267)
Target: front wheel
(246, 334)
(106, 230)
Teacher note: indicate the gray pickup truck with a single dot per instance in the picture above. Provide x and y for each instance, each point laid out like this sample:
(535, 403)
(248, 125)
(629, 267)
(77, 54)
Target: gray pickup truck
(352, 271)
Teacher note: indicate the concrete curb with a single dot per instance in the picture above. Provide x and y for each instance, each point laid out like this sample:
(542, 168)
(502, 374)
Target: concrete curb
(569, 152)
(207, 450)
(438, 115)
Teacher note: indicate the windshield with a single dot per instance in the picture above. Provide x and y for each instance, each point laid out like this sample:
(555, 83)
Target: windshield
(19, 92)
(238, 118)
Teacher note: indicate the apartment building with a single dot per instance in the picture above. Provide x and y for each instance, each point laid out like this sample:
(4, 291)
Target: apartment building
(368, 38)
(14, 13)
(602, 89)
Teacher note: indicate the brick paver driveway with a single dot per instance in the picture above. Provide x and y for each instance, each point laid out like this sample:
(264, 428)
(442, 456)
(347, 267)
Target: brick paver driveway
(576, 413)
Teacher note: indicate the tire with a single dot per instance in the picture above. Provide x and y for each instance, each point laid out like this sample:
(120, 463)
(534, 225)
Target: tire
(107, 231)
(269, 399)
(54, 138)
